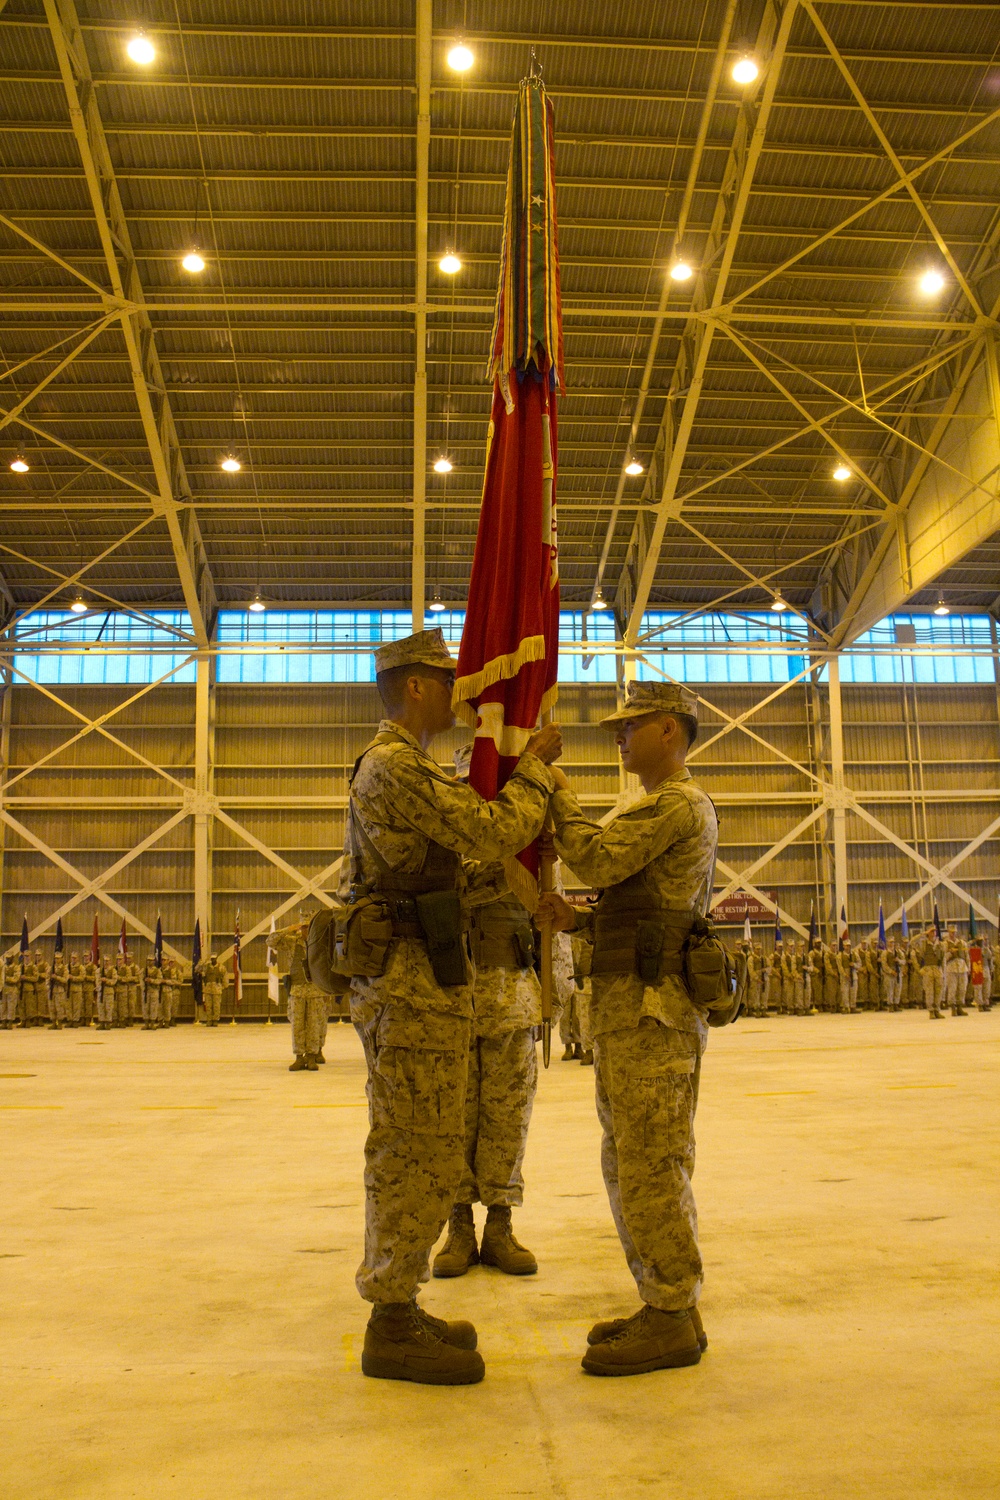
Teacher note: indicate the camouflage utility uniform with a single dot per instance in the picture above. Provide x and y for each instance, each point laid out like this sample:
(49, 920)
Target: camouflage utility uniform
(648, 1038)
(10, 992)
(416, 1033)
(214, 979)
(306, 1001)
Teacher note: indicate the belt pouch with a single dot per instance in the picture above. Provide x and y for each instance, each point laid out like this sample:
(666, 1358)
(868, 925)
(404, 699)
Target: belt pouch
(440, 915)
(648, 946)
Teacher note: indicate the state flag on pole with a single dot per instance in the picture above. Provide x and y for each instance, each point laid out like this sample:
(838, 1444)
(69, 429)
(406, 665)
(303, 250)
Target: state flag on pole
(95, 944)
(273, 978)
(196, 989)
(59, 934)
(937, 921)
(881, 926)
(123, 942)
(237, 966)
(747, 934)
(845, 931)
(777, 930)
(24, 935)
(904, 925)
(158, 943)
(509, 657)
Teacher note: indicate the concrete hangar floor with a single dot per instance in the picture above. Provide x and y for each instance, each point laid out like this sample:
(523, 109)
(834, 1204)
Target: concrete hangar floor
(182, 1219)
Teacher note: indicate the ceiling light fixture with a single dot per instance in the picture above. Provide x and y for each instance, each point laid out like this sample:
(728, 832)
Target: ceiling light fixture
(437, 605)
(941, 608)
(450, 264)
(257, 605)
(19, 465)
(931, 282)
(779, 605)
(599, 602)
(841, 472)
(231, 465)
(442, 465)
(79, 605)
(633, 467)
(193, 262)
(140, 49)
(745, 70)
(681, 271)
(460, 58)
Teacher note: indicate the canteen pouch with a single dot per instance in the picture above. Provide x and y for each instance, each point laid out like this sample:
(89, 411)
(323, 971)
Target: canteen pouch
(524, 946)
(353, 940)
(440, 916)
(648, 946)
(709, 976)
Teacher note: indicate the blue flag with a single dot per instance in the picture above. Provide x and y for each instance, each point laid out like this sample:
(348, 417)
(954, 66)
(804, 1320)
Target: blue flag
(904, 925)
(24, 936)
(813, 924)
(195, 961)
(937, 922)
(59, 934)
(158, 944)
(881, 926)
(777, 930)
(973, 929)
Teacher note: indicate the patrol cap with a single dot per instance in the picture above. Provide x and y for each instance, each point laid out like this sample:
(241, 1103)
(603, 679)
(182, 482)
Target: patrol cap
(463, 759)
(427, 649)
(654, 698)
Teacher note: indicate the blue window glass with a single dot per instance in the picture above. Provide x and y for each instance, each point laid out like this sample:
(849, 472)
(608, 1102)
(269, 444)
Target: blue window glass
(161, 631)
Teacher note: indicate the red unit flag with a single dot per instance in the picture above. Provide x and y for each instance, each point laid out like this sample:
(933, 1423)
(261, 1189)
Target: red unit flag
(95, 945)
(509, 657)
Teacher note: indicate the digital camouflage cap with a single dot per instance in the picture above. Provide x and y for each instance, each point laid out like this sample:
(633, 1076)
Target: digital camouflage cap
(654, 698)
(427, 649)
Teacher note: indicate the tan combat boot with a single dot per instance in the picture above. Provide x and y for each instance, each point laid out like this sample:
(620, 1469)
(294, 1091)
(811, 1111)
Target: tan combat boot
(568, 1054)
(401, 1344)
(298, 1066)
(587, 1060)
(499, 1247)
(312, 1066)
(601, 1332)
(460, 1250)
(652, 1340)
(460, 1335)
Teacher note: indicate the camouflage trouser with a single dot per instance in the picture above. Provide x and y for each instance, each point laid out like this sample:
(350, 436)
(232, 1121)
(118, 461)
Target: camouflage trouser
(788, 995)
(956, 978)
(213, 1004)
(121, 1002)
(151, 1003)
(8, 1003)
(89, 1003)
(74, 1008)
(848, 995)
(29, 1003)
(169, 996)
(307, 1014)
(755, 999)
(57, 1004)
(798, 995)
(106, 1005)
(647, 1091)
(933, 982)
(574, 1019)
(414, 1154)
(831, 991)
(135, 1002)
(887, 988)
(503, 1074)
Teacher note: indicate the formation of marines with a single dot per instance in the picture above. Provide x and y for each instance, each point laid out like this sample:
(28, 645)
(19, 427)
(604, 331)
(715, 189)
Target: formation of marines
(925, 971)
(117, 993)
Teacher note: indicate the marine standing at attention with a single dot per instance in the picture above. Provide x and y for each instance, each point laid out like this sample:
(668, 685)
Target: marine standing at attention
(503, 1073)
(409, 826)
(654, 864)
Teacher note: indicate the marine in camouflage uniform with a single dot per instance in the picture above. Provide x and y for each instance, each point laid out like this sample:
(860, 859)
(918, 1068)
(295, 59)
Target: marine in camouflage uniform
(133, 989)
(59, 993)
(152, 989)
(91, 979)
(74, 1004)
(956, 971)
(214, 979)
(306, 1001)
(29, 992)
(930, 952)
(409, 828)
(106, 996)
(657, 854)
(10, 992)
(503, 1073)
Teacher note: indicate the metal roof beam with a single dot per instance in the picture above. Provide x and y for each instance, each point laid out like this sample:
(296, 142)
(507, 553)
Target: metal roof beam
(643, 554)
(168, 465)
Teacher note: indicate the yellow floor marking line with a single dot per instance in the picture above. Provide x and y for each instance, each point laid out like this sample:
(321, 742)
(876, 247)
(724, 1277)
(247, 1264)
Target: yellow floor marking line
(781, 1093)
(178, 1106)
(18, 1075)
(330, 1106)
(31, 1106)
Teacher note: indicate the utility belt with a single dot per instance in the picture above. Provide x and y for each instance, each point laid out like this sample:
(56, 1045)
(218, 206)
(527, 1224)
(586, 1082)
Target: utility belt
(642, 937)
(501, 936)
(354, 940)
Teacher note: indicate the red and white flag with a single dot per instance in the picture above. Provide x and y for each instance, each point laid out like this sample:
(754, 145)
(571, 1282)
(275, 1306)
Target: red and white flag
(509, 657)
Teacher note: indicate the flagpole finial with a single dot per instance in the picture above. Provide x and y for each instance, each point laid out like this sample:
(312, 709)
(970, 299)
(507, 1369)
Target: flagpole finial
(534, 66)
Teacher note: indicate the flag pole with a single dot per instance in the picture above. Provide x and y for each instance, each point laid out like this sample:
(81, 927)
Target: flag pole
(546, 884)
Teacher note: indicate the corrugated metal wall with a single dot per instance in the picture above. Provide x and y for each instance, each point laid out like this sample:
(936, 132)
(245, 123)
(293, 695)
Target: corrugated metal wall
(282, 755)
